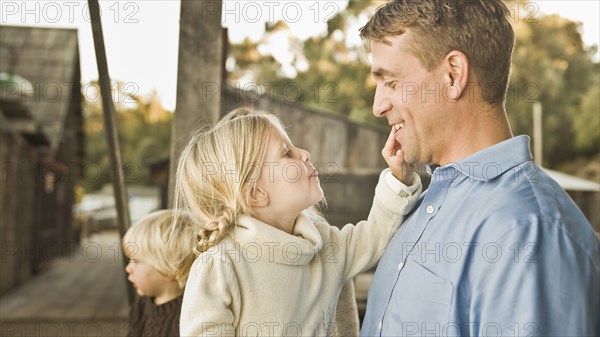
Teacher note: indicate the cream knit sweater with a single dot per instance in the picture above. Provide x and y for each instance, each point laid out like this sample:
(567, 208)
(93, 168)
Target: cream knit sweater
(261, 281)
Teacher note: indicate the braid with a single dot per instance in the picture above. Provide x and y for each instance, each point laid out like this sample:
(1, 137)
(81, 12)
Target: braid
(214, 231)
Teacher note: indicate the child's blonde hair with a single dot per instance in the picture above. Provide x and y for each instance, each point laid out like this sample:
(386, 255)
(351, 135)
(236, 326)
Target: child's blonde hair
(155, 241)
(218, 170)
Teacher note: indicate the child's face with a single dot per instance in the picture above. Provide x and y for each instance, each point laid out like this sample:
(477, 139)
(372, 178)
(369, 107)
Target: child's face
(146, 279)
(288, 177)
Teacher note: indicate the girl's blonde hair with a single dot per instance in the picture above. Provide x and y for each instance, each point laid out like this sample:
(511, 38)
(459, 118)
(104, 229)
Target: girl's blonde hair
(154, 240)
(218, 170)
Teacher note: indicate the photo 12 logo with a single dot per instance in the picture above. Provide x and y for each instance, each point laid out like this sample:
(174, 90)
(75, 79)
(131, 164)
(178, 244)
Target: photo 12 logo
(62, 328)
(71, 171)
(47, 12)
(272, 11)
(54, 92)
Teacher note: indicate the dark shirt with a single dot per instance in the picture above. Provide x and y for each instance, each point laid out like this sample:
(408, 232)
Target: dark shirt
(148, 319)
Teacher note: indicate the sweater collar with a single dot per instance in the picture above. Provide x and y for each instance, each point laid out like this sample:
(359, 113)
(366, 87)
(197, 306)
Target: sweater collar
(164, 309)
(260, 241)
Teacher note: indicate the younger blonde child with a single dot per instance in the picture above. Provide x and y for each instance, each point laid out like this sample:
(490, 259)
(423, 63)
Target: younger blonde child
(267, 265)
(157, 269)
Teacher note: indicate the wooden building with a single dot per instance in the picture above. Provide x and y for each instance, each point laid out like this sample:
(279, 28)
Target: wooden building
(41, 148)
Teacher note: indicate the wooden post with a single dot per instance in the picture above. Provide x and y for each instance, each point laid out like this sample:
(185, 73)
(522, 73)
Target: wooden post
(112, 134)
(198, 76)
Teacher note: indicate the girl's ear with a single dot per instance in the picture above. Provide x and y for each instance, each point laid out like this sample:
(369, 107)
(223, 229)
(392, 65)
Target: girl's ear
(259, 197)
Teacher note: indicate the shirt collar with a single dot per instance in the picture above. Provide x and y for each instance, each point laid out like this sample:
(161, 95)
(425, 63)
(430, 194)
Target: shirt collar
(495, 160)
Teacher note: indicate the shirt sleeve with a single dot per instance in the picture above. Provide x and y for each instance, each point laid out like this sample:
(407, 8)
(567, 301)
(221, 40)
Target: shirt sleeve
(526, 284)
(210, 298)
(360, 246)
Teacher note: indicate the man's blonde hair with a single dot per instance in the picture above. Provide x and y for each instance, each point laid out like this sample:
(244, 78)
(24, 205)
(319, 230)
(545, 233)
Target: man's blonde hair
(479, 28)
(155, 241)
(218, 170)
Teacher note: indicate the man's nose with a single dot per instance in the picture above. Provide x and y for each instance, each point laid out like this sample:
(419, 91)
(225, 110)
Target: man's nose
(381, 103)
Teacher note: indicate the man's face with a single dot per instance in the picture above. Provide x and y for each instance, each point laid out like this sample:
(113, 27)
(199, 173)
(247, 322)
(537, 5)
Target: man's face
(410, 97)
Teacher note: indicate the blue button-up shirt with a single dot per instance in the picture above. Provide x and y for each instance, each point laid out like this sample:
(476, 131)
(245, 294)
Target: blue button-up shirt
(495, 247)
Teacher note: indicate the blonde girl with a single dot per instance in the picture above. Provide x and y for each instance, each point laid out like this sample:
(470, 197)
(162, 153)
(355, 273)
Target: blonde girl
(267, 265)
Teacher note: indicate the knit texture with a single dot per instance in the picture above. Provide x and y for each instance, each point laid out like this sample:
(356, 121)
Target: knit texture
(346, 313)
(148, 319)
(261, 281)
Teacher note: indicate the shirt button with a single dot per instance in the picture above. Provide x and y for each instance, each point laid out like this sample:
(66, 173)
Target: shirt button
(429, 209)
(379, 325)
(401, 265)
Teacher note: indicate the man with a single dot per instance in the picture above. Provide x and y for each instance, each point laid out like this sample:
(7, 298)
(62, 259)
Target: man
(495, 247)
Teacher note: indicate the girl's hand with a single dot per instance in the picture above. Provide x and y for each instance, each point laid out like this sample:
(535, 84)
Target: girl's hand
(394, 156)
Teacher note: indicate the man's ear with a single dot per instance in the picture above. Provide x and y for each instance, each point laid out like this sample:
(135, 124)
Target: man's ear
(456, 74)
(259, 197)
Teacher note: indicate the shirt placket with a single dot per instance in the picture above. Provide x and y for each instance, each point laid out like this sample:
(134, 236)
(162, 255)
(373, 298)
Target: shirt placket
(432, 202)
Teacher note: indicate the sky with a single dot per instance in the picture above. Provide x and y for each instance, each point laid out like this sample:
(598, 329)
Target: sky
(142, 37)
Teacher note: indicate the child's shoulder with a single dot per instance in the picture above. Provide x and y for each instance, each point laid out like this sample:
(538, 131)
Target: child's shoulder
(215, 263)
(218, 254)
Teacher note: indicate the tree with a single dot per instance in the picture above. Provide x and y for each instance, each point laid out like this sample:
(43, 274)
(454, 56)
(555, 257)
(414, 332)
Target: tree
(587, 121)
(551, 65)
(330, 73)
(145, 134)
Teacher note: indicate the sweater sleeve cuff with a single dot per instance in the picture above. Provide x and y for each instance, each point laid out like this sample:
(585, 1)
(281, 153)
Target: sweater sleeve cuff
(399, 187)
(394, 201)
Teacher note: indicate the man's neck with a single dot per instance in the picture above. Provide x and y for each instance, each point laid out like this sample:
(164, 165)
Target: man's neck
(477, 128)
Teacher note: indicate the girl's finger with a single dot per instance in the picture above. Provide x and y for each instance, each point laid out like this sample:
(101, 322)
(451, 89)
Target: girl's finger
(400, 155)
(391, 145)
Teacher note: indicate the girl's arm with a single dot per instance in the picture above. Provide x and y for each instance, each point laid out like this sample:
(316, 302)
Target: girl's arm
(362, 245)
(210, 299)
(359, 247)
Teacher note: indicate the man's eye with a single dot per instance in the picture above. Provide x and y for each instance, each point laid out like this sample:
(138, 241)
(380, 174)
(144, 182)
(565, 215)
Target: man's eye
(288, 153)
(390, 84)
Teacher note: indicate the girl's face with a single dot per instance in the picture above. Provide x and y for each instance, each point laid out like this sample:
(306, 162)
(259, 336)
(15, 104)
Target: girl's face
(288, 178)
(146, 279)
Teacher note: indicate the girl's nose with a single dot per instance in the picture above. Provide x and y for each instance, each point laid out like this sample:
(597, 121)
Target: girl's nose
(305, 155)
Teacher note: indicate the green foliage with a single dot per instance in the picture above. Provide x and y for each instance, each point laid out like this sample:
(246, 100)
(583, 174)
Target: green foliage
(587, 121)
(550, 65)
(144, 133)
(337, 77)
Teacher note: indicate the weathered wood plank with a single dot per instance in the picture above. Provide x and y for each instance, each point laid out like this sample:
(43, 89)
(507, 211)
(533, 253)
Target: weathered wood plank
(81, 286)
